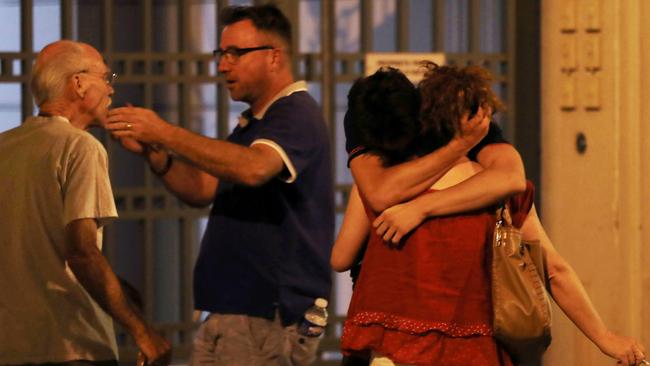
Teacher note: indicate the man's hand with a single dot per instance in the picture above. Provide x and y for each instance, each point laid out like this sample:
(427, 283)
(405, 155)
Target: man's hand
(472, 130)
(133, 145)
(141, 124)
(156, 349)
(397, 221)
(155, 155)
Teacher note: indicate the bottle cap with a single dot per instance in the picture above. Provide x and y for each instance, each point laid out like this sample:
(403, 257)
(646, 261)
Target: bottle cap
(321, 303)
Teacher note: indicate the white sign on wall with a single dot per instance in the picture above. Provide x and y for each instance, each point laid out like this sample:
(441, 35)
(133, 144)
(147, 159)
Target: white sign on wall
(407, 62)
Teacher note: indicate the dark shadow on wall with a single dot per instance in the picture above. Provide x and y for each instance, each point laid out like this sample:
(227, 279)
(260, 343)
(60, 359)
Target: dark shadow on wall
(527, 90)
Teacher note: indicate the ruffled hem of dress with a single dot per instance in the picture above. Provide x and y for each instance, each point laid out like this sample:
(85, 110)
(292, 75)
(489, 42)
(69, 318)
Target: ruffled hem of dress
(418, 327)
(419, 343)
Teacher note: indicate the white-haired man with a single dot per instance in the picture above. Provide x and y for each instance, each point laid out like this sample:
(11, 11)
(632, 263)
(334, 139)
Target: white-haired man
(55, 197)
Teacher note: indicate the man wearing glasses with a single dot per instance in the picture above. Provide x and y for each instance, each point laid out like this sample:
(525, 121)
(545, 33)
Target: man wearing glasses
(264, 258)
(58, 291)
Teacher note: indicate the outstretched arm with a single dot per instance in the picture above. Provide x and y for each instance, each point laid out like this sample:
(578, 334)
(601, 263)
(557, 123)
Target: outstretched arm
(569, 293)
(248, 165)
(190, 184)
(353, 234)
(95, 275)
(187, 182)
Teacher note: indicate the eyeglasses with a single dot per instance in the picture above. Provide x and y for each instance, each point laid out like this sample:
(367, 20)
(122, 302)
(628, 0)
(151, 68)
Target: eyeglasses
(109, 77)
(232, 54)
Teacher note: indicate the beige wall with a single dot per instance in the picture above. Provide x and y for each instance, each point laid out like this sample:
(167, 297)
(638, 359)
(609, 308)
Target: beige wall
(596, 205)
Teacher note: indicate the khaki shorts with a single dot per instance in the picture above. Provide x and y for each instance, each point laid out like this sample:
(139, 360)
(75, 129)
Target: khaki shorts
(240, 340)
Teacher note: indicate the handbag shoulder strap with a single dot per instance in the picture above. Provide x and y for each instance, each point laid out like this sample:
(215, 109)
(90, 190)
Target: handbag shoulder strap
(503, 215)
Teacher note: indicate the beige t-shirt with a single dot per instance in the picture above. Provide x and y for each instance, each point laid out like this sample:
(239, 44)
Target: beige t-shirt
(51, 173)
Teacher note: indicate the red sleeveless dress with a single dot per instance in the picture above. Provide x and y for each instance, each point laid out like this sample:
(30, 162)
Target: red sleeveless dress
(428, 301)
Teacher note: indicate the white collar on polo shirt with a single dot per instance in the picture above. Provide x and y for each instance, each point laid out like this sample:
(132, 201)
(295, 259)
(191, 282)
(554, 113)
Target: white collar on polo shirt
(297, 86)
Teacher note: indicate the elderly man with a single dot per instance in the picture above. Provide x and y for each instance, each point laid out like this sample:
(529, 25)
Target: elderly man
(264, 256)
(58, 291)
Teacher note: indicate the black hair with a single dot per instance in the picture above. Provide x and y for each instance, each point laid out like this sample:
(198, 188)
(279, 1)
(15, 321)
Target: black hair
(384, 109)
(267, 18)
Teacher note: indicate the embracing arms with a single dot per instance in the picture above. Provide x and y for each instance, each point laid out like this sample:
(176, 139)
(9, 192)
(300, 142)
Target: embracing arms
(384, 186)
(502, 176)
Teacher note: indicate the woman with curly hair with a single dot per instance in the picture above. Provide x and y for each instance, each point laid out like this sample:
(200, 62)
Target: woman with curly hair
(423, 293)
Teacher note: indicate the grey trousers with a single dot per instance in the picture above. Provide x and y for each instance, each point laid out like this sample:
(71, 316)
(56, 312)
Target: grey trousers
(240, 340)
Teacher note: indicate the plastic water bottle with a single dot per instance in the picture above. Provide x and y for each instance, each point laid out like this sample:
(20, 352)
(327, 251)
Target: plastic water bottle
(315, 320)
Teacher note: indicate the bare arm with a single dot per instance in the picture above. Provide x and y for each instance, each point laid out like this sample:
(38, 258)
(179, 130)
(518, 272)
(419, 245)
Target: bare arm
(387, 186)
(353, 234)
(252, 166)
(569, 293)
(93, 272)
(384, 187)
(192, 185)
(502, 176)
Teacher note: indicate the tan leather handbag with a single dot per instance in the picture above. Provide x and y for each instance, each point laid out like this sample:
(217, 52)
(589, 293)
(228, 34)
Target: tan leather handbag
(521, 306)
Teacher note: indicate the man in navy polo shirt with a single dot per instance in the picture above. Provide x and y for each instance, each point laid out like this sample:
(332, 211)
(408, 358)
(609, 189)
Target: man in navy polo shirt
(264, 258)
